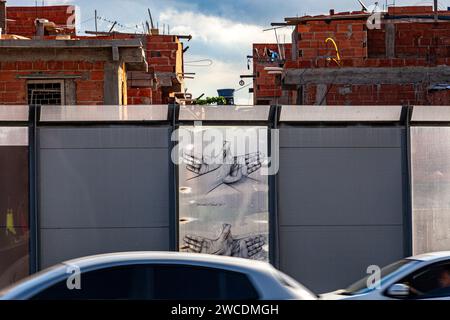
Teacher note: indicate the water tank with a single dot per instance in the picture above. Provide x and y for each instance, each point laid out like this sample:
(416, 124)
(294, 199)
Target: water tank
(228, 94)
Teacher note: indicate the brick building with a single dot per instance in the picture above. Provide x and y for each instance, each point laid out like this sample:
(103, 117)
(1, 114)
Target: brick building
(404, 61)
(44, 61)
(67, 72)
(22, 20)
(267, 84)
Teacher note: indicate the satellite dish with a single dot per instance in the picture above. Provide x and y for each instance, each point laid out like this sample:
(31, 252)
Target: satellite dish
(370, 9)
(241, 83)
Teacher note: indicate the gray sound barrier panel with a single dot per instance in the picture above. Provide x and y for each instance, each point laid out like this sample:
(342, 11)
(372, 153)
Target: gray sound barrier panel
(326, 258)
(341, 202)
(64, 244)
(103, 187)
(340, 186)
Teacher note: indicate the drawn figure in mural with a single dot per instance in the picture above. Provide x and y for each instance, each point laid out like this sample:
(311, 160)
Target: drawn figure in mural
(231, 168)
(226, 244)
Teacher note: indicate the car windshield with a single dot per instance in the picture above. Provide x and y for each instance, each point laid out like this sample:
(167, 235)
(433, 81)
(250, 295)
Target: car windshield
(387, 272)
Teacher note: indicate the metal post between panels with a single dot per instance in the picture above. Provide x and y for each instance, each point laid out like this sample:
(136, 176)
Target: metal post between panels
(32, 189)
(274, 240)
(408, 221)
(173, 172)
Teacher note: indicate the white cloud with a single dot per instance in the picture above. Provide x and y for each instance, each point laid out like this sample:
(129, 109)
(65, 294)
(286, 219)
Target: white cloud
(224, 41)
(215, 30)
(219, 75)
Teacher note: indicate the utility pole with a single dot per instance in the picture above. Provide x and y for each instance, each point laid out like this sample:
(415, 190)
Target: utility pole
(435, 10)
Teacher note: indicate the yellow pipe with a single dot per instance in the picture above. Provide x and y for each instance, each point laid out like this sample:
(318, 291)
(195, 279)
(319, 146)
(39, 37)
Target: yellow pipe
(337, 59)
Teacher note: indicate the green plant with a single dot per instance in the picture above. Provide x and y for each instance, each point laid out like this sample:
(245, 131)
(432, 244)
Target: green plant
(211, 100)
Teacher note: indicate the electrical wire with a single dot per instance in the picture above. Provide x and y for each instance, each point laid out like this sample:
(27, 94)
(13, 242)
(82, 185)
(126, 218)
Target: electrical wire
(87, 20)
(247, 85)
(194, 63)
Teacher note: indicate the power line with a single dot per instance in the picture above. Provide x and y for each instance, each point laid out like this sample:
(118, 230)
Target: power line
(194, 63)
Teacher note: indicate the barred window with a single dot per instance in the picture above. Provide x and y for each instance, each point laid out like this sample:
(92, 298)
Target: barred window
(45, 92)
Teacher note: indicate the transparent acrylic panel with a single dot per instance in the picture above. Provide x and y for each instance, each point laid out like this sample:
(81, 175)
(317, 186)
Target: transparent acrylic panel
(431, 113)
(340, 113)
(224, 113)
(14, 229)
(13, 136)
(13, 113)
(223, 191)
(130, 113)
(430, 147)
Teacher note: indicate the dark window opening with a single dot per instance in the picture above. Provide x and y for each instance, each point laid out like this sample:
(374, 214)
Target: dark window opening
(263, 102)
(155, 54)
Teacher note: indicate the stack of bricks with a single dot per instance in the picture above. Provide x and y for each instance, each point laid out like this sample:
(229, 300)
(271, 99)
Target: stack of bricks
(21, 20)
(161, 52)
(89, 87)
(164, 56)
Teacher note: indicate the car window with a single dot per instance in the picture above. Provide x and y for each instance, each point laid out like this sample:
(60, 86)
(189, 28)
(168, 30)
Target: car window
(117, 283)
(361, 286)
(186, 282)
(430, 282)
(157, 282)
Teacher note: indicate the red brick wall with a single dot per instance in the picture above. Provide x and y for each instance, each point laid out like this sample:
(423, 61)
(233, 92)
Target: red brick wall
(312, 50)
(25, 16)
(167, 47)
(267, 87)
(139, 96)
(417, 44)
(89, 89)
(161, 54)
(380, 94)
(359, 47)
(423, 40)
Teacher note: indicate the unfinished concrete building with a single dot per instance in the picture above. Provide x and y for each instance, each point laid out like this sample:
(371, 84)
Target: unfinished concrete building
(267, 86)
(44, 61)
(403, 58)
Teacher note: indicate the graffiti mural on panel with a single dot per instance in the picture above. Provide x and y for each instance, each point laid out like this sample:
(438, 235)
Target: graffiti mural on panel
(223, 196)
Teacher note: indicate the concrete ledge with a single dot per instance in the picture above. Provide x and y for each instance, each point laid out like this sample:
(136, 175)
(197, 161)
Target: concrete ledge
(356, 76)
(431, 114)
(70, 43)
(340, 113)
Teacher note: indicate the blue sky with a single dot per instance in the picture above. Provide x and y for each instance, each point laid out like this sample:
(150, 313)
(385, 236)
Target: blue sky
(223, 30)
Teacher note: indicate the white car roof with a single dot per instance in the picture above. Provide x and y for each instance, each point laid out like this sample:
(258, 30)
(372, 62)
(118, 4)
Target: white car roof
(171, 257)
(432, 256)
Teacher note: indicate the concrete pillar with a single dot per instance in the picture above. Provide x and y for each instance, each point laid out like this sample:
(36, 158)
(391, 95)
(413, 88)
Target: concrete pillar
(390, 40)
(111, 83)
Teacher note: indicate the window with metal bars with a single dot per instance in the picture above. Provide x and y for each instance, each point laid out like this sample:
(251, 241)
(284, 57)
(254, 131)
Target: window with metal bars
(45, 93)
